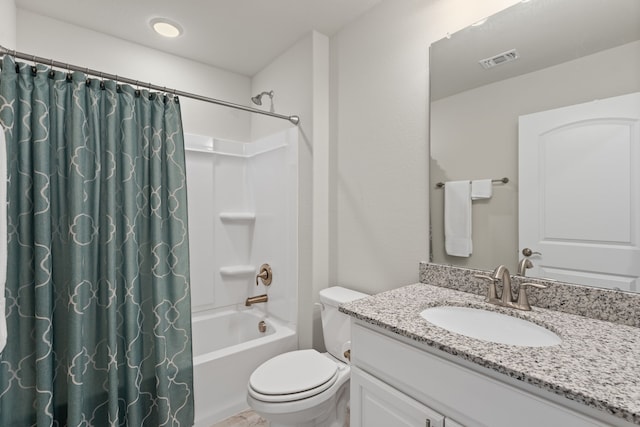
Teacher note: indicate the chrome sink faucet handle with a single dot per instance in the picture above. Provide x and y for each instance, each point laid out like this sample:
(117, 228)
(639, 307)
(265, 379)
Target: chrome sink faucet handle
(523, 300)
(492, 293)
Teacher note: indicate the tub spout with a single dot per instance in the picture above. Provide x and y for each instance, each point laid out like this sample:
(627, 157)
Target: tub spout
(255, 300)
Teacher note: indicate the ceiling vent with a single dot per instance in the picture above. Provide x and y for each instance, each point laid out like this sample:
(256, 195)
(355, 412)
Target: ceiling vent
(501, 58)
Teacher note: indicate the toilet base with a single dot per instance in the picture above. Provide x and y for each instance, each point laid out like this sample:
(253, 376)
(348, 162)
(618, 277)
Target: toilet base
(331, 413)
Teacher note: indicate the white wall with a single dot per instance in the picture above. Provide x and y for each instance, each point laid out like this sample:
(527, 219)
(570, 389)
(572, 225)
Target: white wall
(379, 138)
(227, 179)
(8, 24)
(299, 77)
(64, 42)
(273, 178)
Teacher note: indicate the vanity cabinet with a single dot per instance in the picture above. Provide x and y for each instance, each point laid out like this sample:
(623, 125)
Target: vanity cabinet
(380, 405)
(394, 383)
(377, 404)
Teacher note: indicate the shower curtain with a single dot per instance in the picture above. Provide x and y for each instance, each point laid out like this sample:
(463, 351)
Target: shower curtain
(98, 302)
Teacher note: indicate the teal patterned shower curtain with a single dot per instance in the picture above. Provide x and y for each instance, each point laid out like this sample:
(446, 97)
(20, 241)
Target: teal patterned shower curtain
(98, 300)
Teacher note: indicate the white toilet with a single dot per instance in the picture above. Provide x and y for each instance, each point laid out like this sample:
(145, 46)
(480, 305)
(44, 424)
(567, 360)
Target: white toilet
(306, 388)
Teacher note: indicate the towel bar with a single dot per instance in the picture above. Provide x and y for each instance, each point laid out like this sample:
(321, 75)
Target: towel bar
(502, 180)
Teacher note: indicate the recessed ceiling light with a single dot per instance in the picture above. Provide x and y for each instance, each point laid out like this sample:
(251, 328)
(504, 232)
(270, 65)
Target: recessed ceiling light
(165, 27)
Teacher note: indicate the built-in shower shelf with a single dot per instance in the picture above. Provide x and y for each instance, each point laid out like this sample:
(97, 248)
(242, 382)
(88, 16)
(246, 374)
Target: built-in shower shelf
(238, 216)
(237, 270)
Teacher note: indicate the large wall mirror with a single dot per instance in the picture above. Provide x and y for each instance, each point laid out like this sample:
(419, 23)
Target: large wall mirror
(555, 108)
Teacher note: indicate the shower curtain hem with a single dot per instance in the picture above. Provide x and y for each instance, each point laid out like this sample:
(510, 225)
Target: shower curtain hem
(3, 238)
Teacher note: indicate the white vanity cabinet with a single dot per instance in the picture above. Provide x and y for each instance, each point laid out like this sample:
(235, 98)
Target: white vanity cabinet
(377, 404)
(397, 384)
(380, 405)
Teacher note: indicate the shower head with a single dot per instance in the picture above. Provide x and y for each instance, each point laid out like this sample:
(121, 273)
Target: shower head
(258, 98)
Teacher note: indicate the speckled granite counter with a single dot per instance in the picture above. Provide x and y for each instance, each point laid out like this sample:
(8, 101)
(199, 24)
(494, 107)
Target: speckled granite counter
(597, 363)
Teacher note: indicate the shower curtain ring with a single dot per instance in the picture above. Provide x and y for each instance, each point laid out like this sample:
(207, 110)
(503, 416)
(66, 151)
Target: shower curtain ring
(15, 57)
(34, 67)
(52, 73)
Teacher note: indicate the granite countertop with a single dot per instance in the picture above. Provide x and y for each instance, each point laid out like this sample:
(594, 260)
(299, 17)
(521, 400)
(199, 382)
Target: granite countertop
(597, 363)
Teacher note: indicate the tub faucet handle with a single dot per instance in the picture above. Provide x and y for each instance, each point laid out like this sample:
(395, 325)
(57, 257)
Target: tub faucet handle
(266, 275)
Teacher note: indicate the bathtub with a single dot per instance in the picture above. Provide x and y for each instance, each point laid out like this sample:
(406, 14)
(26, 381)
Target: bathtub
(227, 347)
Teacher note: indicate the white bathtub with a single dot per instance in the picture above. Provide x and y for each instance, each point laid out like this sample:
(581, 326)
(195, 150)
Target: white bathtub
(227, 347)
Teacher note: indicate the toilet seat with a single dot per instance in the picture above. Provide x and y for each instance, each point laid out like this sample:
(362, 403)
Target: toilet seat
(293, 376)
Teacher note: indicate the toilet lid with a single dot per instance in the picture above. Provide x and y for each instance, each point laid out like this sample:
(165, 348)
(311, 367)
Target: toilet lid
(293, 372)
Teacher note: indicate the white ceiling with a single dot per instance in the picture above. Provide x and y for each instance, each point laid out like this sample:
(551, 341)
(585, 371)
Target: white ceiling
(544, 32)
(238, 35)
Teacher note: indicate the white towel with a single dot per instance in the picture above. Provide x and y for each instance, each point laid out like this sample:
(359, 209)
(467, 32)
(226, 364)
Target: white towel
(481, 189)
(457, 218)
(3, 238)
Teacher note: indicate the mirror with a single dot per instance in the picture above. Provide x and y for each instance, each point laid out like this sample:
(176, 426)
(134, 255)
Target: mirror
(569, 52)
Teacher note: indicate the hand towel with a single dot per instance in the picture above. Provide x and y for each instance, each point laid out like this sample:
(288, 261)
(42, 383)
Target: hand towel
(3, 237)
(481, 189)
(457, 218)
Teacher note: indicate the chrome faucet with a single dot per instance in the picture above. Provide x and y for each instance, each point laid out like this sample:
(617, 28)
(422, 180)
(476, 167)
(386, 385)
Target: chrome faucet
(501, 273)
(524, 262)
(523, 265)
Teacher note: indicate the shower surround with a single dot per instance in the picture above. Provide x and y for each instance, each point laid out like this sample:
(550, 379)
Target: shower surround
(242, 214)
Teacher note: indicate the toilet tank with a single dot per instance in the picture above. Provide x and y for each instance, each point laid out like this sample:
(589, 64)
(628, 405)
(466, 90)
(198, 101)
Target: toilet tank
(336, 326)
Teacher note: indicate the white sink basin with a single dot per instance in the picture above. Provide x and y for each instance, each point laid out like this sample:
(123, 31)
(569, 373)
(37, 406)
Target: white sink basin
(490, 326)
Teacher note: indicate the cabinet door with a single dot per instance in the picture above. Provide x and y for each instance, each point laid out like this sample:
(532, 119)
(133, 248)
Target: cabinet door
(376, 404)
(448, 422)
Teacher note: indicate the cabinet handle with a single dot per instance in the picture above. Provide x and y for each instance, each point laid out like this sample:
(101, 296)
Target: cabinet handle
(427, 423)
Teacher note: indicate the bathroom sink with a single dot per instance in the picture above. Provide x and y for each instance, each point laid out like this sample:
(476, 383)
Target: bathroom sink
(490, 326)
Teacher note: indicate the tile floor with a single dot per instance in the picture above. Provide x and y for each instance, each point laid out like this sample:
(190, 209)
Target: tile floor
(247, 418)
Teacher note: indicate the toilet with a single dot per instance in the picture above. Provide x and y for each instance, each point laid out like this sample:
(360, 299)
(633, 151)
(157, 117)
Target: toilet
(305, 388)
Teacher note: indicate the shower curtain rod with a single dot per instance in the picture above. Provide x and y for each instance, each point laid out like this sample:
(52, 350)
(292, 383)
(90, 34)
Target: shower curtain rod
(39, 60)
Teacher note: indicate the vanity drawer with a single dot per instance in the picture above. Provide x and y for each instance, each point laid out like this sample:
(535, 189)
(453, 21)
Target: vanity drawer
(470, 397)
